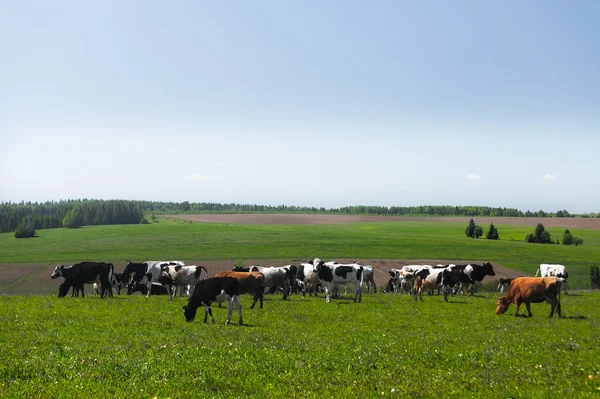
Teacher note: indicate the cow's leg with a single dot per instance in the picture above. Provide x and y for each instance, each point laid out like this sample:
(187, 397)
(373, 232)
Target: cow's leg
(358, 293)
(238, 305)
(328, 289)
(374, 286)
(228, 300)
(445, 294)
(528, 307)
(518, 305)
(286, 288)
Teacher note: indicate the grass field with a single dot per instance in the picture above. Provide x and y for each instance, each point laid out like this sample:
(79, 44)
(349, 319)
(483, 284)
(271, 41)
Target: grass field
(386, 346)
(394, 240)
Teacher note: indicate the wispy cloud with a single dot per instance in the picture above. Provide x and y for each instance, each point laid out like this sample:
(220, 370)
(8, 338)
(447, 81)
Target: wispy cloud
(196, 177)
(548, 176)
(474, 177)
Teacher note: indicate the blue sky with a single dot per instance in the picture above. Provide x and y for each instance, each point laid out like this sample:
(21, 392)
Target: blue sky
(321, 103)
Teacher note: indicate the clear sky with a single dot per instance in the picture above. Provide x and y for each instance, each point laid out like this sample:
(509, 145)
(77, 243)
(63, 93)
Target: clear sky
(318, 103)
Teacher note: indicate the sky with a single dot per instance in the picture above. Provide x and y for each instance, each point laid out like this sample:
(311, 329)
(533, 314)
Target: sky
(310, 103)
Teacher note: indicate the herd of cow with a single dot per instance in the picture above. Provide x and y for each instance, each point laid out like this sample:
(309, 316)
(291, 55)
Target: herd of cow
(172, 277)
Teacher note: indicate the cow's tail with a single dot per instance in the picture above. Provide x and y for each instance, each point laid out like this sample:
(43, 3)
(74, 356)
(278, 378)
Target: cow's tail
(200, 274)
(537, 271)
(111, 272)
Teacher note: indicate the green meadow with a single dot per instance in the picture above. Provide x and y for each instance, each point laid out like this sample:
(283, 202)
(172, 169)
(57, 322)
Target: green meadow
(394, 240)
(386, 346)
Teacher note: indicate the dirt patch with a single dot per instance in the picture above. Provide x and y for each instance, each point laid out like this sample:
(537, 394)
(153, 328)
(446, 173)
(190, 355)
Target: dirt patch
(35, 279)
(575, 223)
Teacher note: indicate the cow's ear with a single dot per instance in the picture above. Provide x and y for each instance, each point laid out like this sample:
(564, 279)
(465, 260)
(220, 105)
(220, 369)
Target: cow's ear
(311, 262)
(178, 267)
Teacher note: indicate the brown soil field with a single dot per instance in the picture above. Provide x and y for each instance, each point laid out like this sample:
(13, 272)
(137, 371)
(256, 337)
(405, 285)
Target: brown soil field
(575, 223)
(35, 279)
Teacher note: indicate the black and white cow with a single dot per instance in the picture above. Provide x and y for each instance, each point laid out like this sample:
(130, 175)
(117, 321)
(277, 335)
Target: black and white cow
(308, 278)
(334, 275)
(157, 289)
(210, 290)
(503, 284)
(81, 273)
(147, 272)
(180, 277)
(475, 273)
(445, 279)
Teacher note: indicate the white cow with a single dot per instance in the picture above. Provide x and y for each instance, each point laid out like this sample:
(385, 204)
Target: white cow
(275, 277)
(548, 270)
(181, 277)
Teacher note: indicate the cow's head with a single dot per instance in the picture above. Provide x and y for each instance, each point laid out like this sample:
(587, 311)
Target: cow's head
(58, 271)
(189, 313)
(489, 269)
(502, 305)
(317, 263)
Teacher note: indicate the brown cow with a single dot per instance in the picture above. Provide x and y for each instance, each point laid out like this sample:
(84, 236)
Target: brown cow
(252, 283)
(531, 289)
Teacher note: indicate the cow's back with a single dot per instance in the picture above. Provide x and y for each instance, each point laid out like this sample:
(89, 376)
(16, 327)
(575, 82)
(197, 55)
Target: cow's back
(534, 287)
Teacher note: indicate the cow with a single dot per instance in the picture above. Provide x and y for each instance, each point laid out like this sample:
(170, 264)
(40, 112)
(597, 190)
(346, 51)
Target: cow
(334, 275)
(147, 272)
(419, 277)
(210, 290)
(444, 279)
(369, 278)
(546, 270)
(503, 284)
(157, 289)
(80, 273)
(475, 273)
(117, 283)
(250, 283)
(308, 276)
(531, 289)
(182, 277)
(275, 277)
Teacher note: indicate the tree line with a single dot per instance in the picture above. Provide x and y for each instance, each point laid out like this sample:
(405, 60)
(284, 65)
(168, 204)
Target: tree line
(84, 212)
(69, 213)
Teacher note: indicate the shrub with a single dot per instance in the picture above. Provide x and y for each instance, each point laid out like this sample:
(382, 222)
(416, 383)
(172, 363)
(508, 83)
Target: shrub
(478, 231)
(594, 277)
(25, 230)
(144, 221)
(577, 241)
(541, 236)
(567, 238)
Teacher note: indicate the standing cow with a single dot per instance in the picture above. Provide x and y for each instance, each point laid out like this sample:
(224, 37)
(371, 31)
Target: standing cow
(85, 272)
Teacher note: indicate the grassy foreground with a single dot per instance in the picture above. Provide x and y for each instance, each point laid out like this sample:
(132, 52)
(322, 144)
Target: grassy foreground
(387, 346)
(396, 240)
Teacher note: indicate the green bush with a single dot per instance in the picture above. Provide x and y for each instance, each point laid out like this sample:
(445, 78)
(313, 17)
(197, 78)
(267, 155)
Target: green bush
(144, 221)
(25, 230)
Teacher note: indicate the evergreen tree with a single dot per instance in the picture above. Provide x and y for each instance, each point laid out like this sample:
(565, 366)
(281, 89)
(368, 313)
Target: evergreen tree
(492, 233)
(470, 232)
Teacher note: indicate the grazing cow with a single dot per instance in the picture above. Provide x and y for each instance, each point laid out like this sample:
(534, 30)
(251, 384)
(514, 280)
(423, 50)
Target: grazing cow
(79, 274)
(275, 277)
(252, 283)
(210, 290)
(531, 289)
(503, 284)
(334, 275)
(182, 277)
(147, 272)
(559, 271)
(369, 278)
(157, 289)
(117, 283)
(394, 281)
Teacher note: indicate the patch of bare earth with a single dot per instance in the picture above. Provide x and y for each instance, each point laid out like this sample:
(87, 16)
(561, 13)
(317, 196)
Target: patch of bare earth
(575, 223)
(35, 279)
